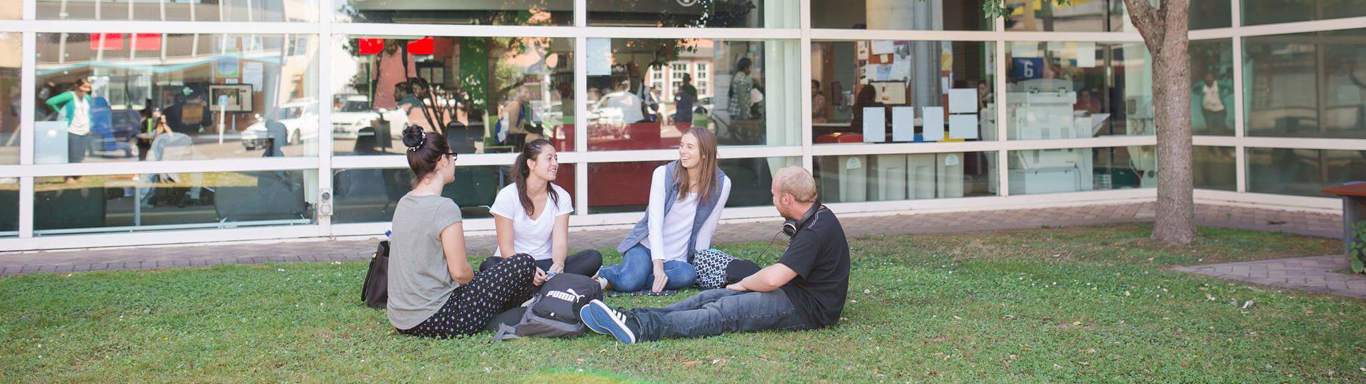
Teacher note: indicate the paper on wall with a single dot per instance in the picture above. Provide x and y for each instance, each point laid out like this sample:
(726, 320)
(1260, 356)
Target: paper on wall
(599, 57)
(253, 73)
(903, 123)
(963, 126)
(881, 47)
(933, 124)
(1024, 49)
(1086, 55)
(963, 100)
(874, 125)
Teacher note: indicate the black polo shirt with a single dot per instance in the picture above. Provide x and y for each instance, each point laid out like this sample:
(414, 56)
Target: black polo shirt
(819, 254)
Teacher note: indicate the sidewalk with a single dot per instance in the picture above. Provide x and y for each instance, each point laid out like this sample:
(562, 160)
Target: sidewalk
(160, 257)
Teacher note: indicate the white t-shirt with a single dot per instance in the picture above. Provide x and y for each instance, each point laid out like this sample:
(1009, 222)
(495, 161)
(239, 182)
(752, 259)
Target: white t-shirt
(531, 236)
(80, 118)
(669, 232)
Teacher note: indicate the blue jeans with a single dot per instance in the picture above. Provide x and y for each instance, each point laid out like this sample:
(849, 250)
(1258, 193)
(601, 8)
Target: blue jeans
(718, 311)
(636, 272)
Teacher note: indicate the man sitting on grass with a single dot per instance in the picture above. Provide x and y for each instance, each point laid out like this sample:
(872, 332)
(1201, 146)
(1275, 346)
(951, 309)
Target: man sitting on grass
(804, 290)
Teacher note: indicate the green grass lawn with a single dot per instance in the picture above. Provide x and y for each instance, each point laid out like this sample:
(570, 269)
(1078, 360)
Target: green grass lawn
(1057, 305)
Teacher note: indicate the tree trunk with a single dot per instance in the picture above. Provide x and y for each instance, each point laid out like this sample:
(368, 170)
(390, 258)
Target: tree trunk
(1164, 31)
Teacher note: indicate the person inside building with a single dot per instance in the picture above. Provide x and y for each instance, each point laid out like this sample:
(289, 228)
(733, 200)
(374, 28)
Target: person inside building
(686, 199)
(433, 291)
(805, 289)
(531, 216)
(73, 107)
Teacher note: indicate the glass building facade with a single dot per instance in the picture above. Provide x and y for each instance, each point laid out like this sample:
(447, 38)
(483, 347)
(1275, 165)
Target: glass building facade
(213, 120)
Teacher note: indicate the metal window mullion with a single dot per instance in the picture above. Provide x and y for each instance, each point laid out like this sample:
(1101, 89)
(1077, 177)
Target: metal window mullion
(28, 91)
(1002, 121)
(581, 107)
(1239, 122)
(804, 57)
(29, 9)
(322, 40)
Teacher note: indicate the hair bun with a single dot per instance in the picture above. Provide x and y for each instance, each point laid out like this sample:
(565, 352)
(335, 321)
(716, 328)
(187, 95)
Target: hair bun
(413, 136)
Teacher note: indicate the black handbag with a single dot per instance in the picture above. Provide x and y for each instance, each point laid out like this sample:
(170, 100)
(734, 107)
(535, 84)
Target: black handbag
(375, 291)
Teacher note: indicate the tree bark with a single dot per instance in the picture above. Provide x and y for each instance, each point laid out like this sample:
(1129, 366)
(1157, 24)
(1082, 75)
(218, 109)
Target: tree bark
(1164, 32)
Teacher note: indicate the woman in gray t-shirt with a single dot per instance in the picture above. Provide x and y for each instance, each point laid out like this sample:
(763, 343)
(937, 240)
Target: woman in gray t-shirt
(433, 291)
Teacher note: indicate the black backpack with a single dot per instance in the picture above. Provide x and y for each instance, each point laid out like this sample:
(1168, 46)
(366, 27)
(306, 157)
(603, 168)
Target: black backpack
(554, 310)
(375, 291)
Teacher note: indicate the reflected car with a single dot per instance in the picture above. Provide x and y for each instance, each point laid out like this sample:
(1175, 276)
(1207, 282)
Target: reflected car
(299, 118)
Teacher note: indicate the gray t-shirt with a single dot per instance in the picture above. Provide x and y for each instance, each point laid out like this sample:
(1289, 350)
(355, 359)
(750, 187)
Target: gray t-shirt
(419, 281)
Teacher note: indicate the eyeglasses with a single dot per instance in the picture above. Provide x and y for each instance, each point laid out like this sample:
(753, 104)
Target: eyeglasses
(453, 155)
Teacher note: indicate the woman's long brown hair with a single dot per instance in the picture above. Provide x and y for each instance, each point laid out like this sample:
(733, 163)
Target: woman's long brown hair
(706, 148)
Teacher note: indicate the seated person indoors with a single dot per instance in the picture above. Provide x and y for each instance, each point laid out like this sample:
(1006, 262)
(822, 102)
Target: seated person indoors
(532, 216)
(686, 198)
(804, 290)
(433, 292)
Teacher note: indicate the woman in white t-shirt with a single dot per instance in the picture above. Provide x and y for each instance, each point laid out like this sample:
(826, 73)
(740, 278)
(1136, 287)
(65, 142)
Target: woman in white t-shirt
(531, 216)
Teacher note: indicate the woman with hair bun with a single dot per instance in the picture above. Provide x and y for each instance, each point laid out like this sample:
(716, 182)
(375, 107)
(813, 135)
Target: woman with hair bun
(433, 291)
(531, 215)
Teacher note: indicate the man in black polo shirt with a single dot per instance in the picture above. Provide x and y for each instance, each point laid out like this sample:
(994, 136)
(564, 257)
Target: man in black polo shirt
(806, 289)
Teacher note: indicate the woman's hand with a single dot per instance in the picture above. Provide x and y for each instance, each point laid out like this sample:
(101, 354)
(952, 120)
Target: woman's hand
(661, 280)
(539, 278)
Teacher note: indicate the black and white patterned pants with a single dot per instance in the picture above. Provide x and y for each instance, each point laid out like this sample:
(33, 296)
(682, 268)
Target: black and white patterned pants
(472, 305)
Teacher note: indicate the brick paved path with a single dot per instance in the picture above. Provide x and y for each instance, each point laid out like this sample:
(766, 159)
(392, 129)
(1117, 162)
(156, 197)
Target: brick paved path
(312, 250)
(1321, 274)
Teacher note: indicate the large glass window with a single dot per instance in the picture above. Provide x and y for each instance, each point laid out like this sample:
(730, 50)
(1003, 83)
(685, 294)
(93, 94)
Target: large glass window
(9, 98)
(11, 10)
(1303, 172)
(625, 187)
(930, 15)
(906, 177)
(478, 12)
(1207, 14)
(172, 201)
(1082, 169)
(487, 94)
(1306, 85)
(370, 195)
(1066, 90)
(1215, 168)
(902, 91)
(1282, 11)
(1074, 16)
(694, 13)
(750, 101)
(179, 10)
(1212, 92)
(219, 96)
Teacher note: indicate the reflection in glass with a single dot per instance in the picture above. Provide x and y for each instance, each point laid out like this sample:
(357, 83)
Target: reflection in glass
(954, 80)
(644, 94)
(9, 98)
(1303, 172)
(693, 13)
(486, 94)
(11, 10)
(923, 15)
(1306, 85)
(221, 96)
(1075, 16)
(178, 10)
(1283, 11)
(906, 177)
(1082, 169)
(1215, 168)
(9, 207)
(370, 195)
(625, 187)
(501, 12)
(1066, 90)
(1212, 93)
(115, 203)
(1206, 14)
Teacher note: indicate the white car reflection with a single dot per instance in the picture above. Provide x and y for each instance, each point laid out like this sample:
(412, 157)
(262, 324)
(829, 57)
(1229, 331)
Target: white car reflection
(298, 119)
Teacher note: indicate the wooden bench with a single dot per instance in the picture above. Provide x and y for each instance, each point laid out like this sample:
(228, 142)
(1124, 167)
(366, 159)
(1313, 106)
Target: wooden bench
(1353, 196)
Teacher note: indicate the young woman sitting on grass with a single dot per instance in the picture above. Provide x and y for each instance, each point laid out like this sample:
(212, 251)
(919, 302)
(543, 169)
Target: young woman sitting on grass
(433, 292)
(531, 215)
(686, 199)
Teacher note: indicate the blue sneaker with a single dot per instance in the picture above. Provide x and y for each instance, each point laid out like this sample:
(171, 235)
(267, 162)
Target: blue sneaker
(584, 314)
(596, 315)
